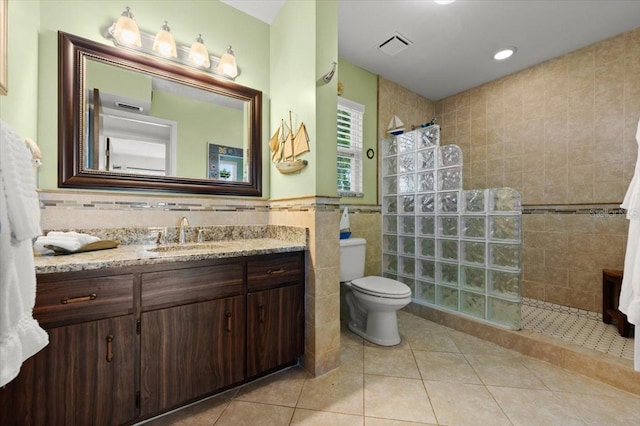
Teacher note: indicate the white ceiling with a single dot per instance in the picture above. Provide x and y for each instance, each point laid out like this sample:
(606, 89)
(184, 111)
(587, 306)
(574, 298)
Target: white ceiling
(453, 45)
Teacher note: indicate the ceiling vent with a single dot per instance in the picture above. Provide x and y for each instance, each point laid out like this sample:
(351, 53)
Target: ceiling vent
(394, 44)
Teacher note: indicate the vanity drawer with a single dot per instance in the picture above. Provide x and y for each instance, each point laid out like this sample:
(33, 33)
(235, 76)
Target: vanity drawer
(78, 300)
(270, 271)
(188, 285)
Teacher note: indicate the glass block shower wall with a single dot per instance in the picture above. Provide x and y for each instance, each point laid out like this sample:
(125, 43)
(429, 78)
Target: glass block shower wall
(457, 250)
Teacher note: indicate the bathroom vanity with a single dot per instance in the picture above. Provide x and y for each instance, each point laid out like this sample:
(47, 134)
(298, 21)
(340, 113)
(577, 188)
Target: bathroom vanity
(131, 341)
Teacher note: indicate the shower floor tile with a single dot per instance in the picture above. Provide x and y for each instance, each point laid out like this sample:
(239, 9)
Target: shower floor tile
(575, 326)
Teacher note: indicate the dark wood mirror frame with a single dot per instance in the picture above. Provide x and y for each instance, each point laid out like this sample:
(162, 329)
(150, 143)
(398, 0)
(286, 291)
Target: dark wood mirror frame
(72, 51)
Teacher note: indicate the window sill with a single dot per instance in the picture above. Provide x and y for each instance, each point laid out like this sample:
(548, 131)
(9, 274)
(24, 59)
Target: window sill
(350, 194)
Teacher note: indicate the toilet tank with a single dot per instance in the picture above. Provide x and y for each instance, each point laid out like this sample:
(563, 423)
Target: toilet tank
(352, 252)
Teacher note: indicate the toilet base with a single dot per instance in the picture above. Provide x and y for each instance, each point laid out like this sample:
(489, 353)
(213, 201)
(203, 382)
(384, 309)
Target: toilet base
(389, 341)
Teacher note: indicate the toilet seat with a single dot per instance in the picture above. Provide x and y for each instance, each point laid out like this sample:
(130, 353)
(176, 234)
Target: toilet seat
(381, 287)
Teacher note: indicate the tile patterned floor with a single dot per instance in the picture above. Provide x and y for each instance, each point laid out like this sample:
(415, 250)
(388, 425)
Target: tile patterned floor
(575, 326)
(436, 376)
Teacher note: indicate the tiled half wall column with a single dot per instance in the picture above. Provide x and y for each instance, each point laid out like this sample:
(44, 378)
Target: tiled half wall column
(457, 250)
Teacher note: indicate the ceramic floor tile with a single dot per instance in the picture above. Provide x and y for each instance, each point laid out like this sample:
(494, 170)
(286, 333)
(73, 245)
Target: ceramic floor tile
(303, 417)
(445, 367)
(464, 404)
(503, 371)
(533, 407)
(558, 379)
(622, 409)
(397, 398)
(468, 344)
(203, 413)
(337, 391)
(241, 413)
(435, 342)
(528, 391)
(373, 421)
(352, 358)
(347, 337)
(384, 362)
(282, 388)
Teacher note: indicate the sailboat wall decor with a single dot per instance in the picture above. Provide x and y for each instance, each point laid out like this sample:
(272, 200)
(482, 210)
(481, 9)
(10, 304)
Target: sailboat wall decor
(285, 146)
(396, 126)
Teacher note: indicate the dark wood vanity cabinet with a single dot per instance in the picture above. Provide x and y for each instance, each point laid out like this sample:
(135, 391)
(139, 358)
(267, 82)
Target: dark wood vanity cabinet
(85, 375)
(129, 343)
(275, 313)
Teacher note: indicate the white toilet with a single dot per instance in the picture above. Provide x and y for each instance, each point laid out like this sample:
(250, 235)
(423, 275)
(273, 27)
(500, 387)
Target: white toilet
(373, 301)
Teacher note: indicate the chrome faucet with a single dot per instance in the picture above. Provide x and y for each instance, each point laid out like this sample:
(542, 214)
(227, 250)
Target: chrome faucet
(184, 224)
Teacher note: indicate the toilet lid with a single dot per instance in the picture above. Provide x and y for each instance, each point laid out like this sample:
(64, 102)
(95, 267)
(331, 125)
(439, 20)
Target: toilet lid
(380, 286)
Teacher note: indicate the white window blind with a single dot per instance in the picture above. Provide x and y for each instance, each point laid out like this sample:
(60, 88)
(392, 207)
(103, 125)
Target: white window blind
(349, 141)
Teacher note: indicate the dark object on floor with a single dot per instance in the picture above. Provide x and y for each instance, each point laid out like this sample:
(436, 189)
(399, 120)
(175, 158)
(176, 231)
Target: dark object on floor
(611, 284)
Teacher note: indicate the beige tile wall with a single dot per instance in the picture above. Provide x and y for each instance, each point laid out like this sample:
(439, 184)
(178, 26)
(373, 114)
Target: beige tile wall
(561, 132)
(368, 225)
(322, 316)
(410, 107)
(564, 254)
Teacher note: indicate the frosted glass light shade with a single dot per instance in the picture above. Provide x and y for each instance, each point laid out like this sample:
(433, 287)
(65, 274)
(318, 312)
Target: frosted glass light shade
(228, 65)
(164, 43)
(126, 30)
(198, 54)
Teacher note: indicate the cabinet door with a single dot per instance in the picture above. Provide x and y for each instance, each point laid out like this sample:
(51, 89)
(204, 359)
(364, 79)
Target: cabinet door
(275, 328)
(84, 376)
(189, 351)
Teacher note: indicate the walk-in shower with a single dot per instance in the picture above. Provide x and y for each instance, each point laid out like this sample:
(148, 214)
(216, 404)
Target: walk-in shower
(458, 250)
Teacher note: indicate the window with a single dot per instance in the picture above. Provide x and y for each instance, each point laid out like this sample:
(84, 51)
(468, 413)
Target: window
(349, 148)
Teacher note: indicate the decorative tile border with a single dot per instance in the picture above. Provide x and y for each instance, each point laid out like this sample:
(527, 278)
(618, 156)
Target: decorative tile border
(122, 202)
(596, 210)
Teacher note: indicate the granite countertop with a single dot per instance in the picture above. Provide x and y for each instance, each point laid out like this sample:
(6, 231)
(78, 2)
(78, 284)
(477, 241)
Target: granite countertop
(134, 251)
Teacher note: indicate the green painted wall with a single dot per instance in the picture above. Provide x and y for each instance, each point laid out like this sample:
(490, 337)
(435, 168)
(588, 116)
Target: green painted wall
(19, 108)
(303, 45)
(117, 81)
(219, 24)
(361, 86)
(293, 89)
(326, 98)
(198, 124)
(285, 60)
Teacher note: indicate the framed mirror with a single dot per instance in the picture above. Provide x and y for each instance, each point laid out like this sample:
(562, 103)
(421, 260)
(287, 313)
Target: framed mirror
(131, 121)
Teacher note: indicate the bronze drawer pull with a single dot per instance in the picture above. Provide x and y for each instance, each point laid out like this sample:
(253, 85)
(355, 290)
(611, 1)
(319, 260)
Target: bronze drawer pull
(261, 313)
(228, 315)
(275, 271)
(66, 300)
(110, 348)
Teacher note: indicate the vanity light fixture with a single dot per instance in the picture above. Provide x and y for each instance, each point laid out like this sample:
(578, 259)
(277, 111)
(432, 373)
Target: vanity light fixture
(126, 30)
(444, 1)
(125, 33)
(164, 43)
(228, 65)
(198, 54)
(504, 53)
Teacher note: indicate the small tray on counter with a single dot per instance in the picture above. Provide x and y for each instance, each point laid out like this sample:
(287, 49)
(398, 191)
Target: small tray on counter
(96, 245)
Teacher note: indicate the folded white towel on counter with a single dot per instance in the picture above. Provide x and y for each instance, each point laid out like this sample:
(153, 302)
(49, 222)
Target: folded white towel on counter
(70, 241)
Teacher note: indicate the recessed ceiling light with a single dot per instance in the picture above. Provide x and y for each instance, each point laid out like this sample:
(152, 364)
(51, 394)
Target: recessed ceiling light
(504, 53)
(444, 1)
